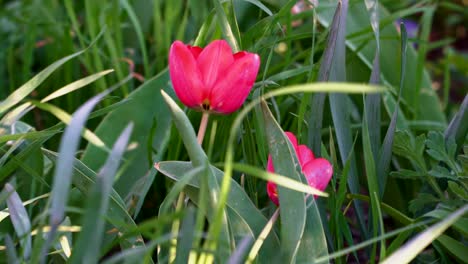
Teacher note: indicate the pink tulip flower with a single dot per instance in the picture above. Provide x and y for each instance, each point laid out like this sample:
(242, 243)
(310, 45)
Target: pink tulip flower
(212, 79)
(318, 171)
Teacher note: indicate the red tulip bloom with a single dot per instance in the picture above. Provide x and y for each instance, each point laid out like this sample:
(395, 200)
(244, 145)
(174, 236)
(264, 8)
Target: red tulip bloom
(212, 79)
(318, 171)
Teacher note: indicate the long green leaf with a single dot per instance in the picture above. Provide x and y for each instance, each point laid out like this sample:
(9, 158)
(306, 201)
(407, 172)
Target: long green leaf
(292, 209)
(89, 240)
(142, 107)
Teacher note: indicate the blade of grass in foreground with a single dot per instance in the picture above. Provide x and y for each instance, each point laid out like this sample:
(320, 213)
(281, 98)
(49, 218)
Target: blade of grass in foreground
(412, 248)
(64, 168)
(19, 219)
(87, 247)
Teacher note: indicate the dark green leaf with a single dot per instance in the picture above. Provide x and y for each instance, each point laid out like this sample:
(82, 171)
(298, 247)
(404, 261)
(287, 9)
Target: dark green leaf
(142, 106)
(292, 209)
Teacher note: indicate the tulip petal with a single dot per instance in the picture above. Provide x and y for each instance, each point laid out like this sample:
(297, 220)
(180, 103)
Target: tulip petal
(292, 138)
(185, 75)
(304, 154)
(233, 87)
(195, 51)
(272, 192)
(318, 173)
(270, 167)
(213, 62)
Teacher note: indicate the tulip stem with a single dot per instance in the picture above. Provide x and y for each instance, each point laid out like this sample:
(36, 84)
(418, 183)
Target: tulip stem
(202, 128)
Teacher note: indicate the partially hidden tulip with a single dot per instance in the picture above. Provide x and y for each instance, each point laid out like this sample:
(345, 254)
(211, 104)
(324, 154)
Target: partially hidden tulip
(318, 171)
(212, 79)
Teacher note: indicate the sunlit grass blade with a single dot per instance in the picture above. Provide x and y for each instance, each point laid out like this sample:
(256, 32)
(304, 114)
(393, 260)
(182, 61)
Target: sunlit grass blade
(67, 119)
(23, 91)
(20, 220)
(75, 85)
(412, 248)
(284, 181)
(89, 241)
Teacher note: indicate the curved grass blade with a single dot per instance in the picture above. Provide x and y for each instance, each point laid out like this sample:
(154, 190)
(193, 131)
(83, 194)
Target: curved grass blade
(278, 179)
(20, 220)
(76, 85)
(89, 240)
(413, 247)
(226, 27)
(23, 91)
(64, 169)
(139, 32)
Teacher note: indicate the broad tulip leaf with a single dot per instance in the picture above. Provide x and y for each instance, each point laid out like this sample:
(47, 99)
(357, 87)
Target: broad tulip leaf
(313, 243)
(84, 178)
(237, 201)
(292, 203)
(144, 106)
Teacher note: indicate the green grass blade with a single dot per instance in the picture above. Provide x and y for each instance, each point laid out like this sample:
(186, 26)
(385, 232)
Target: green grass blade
(139, 32)
(413, 247)
(372, 101)
(75, 85)
(284, 181)
(385, 153)
(23, 91)
(458, 127)
(88, 245)
(226, 27)
(20, 220)
(318, 100)
(64, 169)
